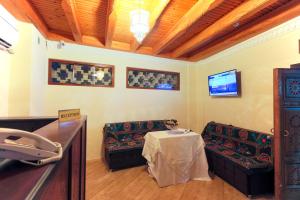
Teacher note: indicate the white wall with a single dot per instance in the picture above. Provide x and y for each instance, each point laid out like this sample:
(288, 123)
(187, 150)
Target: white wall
(15, 74)
(103, 105)
(25, 90)
(38, 74)
(255, 59)
(4, 82)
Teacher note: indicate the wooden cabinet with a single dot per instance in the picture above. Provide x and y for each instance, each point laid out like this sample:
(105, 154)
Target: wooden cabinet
(250, 182)
(287, 133)
(63, 180)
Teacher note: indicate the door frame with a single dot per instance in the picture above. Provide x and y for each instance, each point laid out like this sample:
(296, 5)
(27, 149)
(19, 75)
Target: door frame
(277, 127)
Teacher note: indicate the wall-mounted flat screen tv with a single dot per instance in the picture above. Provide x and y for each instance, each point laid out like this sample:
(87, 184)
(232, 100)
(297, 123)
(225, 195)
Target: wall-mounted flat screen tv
(223, 84)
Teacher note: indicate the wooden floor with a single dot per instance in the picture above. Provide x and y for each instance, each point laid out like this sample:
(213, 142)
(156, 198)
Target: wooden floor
(136, 184)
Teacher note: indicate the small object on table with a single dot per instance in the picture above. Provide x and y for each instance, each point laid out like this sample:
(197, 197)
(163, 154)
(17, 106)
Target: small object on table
(171, 124)
(179, 131)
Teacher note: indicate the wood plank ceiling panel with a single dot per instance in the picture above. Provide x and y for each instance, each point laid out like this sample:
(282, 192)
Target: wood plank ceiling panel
(52, 14)
(92, 17)
(265, 11)
(229, 21)
(207, 20)
(172, 14)
(242, 26)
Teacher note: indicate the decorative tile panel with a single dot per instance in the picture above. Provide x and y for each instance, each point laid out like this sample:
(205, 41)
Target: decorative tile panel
(152, 79)
(63, 72)
(293, 87)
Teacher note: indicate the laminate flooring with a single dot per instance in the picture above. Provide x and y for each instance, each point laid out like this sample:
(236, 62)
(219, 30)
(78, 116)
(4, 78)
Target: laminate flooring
(136, 184)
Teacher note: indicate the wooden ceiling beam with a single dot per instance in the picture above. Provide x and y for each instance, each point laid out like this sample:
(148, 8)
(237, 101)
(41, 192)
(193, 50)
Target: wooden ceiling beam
(26, 9)
(281, 15)
(110, 23)
(226, 21)
(154, 18)
(180, 28)
(134, 45)
(69, 8)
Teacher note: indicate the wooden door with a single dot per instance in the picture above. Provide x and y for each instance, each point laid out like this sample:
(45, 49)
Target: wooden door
(287, 133)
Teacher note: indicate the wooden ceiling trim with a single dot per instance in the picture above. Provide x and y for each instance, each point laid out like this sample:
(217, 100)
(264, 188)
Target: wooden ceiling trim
(53, 35)
(26, 9)
(154, 18)
(193, 15)
(69, 9)
(110, 23)
(120, 45)
(145, 50)
(228, 20)
(272, 19)
(91, 41)
(7, 4)
(86, 40)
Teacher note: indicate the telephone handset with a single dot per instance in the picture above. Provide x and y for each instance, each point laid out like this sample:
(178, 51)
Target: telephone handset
(29, 148)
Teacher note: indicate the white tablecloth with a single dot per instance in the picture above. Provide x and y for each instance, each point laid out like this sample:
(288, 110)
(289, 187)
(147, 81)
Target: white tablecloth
(175, 158)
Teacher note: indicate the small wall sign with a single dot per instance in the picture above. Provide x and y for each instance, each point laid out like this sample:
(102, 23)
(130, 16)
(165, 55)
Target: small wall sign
(68, 115)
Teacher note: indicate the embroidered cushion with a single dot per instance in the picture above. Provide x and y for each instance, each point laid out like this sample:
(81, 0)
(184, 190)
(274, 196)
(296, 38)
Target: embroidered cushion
(128, 135)
(253, 147)
(245, 161)
(111, 144)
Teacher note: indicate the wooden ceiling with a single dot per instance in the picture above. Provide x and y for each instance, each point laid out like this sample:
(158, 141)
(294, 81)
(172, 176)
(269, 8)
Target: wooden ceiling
(179, 29)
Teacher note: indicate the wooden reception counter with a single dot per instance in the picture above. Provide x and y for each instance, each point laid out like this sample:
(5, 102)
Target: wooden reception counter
(64, 179)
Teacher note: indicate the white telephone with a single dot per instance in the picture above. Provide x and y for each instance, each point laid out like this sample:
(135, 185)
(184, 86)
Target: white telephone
(29, 148)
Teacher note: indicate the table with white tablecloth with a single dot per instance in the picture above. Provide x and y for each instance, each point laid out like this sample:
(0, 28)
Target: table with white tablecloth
(175, 156)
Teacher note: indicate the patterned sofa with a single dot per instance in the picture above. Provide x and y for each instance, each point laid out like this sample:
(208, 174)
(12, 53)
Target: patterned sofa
(124, 141)
(243, 158)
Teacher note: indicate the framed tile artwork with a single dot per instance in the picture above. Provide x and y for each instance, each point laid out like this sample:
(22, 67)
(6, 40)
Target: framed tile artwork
(152, 79)
(64, 72)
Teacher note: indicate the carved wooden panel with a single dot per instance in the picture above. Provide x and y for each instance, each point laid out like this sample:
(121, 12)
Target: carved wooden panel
(287, 133)
(292, 87)
(293, 175)
(291, 131)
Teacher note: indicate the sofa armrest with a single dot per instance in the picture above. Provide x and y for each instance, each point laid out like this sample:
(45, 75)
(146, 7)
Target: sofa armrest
(108, 132)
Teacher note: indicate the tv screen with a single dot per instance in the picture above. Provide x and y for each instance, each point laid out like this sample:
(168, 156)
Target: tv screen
(223, 84)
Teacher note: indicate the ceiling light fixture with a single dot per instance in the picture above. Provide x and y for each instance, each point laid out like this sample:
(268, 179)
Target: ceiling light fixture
(139, 23)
